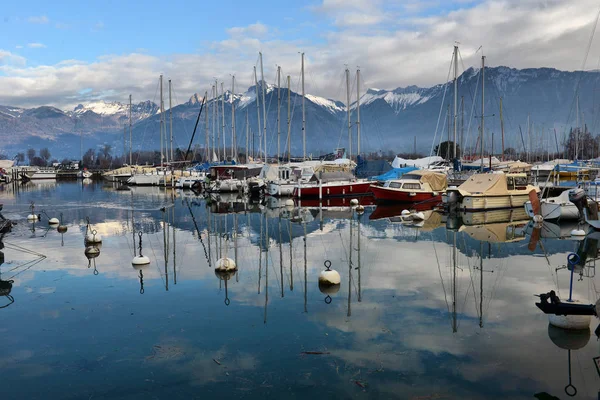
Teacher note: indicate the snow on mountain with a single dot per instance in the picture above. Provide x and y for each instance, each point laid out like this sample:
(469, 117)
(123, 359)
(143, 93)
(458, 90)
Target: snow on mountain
(398, 99)
(102, 108)
(330, 105)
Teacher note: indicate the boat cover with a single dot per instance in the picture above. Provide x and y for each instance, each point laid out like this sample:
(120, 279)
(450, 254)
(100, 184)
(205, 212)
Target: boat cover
(488, 184)
(437, 181)
(420, 162)
(394, 173)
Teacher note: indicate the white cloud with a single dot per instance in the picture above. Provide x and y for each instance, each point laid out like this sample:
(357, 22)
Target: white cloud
(9, 59)
(254, 30)
(18, 46)
(98, 26)
(416, 49)
(36, 45)
(41, 19)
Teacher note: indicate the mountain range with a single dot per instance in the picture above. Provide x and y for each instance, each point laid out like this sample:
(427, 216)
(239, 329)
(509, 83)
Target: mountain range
(391, 120)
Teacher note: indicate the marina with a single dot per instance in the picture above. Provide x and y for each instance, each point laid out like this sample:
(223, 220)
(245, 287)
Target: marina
(460, 298)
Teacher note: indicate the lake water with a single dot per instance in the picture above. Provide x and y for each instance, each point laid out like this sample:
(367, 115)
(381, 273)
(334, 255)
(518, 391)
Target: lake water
(422, 312)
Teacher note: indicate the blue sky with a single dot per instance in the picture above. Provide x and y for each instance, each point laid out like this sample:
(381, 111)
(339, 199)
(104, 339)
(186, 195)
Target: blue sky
(66, 52)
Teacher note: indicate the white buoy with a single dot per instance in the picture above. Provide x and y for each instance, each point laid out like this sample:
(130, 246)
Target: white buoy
(289, 203)
(570, 322)
(53, 221)
(418, 216)
(32, 217)
(62, 228)
(569, 340)
(354, 202)
(140, 261)
(360, 209)
(225, 264)
(538, 218)
(577, 232)
(92, 252)
(92, 237)
(405, 213)
(331, 277)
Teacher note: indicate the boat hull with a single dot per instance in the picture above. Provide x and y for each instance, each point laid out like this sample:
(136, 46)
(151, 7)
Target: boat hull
(552, 211)
(281, 189)
(333, 190)
(483, 203)
(383, 194)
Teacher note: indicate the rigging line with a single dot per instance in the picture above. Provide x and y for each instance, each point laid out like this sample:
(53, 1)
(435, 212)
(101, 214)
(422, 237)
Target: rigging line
(23, 249)
(440, 272)
(589, 45)
(471, 116)
(437, 125)
(24, 264)
(29, 267)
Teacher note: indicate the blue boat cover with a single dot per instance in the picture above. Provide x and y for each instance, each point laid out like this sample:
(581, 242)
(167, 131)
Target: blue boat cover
(394, 173)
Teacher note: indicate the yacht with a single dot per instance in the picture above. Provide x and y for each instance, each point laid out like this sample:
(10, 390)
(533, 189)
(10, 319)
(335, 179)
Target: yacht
(416, 186)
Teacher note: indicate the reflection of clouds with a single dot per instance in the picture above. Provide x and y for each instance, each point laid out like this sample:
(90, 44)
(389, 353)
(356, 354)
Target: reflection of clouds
(399, 337)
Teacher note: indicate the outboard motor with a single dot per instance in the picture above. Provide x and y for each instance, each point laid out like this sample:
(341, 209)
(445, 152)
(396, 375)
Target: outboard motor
(578, 197)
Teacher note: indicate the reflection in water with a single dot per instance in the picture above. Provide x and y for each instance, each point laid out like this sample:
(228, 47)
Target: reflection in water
(389, 332)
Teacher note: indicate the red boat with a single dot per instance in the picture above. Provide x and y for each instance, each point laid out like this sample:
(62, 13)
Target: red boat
(364, 200)
(333, 189)
(416, 186)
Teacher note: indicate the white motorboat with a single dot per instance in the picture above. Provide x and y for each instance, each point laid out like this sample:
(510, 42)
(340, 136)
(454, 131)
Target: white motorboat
(39, 173)
(559, 207)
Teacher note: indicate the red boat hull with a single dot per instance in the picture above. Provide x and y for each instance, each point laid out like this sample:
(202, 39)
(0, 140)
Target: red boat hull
(335, 190)
(391, 195)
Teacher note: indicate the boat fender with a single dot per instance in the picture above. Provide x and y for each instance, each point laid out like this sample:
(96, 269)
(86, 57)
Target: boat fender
(538, 218)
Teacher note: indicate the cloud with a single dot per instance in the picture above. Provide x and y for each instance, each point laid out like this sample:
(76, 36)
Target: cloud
(415, 48)
(253, 30)
(18, 46)
(36, 45)
(9, 59)
(41, 19)
(61, 25)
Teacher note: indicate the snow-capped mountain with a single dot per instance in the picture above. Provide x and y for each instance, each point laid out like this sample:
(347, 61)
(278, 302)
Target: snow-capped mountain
(390, 119)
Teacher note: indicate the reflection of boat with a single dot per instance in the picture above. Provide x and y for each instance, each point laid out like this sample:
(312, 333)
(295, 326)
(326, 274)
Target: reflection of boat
(501, 232)
(227, 203)
(394, 210)
(412, 187)
(365, 200)
(488, 217)
(491, 192)
(554, 230)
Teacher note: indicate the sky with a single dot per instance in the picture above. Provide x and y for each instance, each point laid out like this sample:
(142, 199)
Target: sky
(71, 52)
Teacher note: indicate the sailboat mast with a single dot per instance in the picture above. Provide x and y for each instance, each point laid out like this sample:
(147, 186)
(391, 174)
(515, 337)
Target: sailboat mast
(358, 112)
(303, 111)
(482, 106)
(278, 112)
(257, 111)
(262, 85)
(502, 127)
(217, 144)
(171, 120)
(130, 158)
(454, 325)
(162, 121)
(223, 118)
(214, 120)
(455, 99)
(577, 129)
(206, 138)
(462, 123)
(289, 126)
(233, 138)
(348, 111)
(247, 136)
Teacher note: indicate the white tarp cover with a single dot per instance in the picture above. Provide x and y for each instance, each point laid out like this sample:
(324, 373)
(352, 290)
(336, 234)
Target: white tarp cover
(419, 163)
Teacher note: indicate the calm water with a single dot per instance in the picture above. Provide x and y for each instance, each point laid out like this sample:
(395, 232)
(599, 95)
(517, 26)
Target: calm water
(407, 322)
